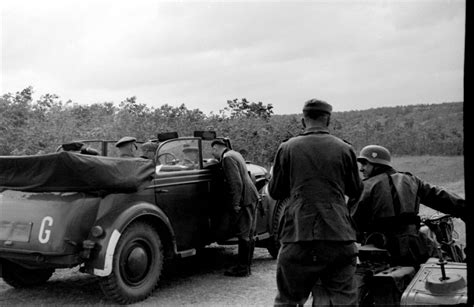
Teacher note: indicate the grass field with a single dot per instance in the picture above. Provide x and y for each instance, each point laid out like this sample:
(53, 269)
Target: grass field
(445, 172)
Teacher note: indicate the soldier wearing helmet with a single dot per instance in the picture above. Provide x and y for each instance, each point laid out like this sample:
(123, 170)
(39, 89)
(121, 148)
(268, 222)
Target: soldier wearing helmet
(373, 157)
(389, 205)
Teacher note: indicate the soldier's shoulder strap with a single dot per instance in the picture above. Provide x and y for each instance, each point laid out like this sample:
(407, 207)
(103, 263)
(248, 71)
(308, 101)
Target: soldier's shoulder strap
(346, 141)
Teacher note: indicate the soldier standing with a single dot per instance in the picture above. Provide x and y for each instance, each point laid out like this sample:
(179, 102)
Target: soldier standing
(149, 150)
(244, 198)
(315, 171)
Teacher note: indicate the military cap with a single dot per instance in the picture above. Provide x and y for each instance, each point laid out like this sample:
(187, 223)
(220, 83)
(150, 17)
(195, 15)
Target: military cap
(125, 140)
(317, 105)
(218, 141)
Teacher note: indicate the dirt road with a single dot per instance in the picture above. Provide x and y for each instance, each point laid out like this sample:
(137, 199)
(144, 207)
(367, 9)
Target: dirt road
(197, 281)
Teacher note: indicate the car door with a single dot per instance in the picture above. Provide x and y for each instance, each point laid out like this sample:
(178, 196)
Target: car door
(182, 190)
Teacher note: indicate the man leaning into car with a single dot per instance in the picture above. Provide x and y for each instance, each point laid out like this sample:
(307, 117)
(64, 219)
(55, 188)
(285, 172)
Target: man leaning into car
(244, 198)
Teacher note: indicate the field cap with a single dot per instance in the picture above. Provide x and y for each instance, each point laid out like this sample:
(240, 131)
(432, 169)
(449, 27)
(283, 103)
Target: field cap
(313, 105)
(218, 141)
(125, 140)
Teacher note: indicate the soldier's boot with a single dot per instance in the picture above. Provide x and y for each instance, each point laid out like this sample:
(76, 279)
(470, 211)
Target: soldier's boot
(242, 269)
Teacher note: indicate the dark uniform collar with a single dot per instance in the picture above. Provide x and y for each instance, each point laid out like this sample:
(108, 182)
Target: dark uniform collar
(315, 130)
(381, 169)
(225, 150)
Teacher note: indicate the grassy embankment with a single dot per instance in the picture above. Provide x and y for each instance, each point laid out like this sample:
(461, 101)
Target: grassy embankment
(445, 172)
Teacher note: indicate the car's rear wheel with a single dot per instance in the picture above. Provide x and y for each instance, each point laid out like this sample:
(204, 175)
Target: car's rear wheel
(20, 277)
(274, 243)
(137, 265)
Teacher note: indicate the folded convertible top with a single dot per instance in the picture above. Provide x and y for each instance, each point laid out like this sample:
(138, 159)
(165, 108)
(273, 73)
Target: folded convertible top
(74, 172)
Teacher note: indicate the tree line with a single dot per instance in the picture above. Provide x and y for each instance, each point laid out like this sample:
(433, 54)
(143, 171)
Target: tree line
(32, 127)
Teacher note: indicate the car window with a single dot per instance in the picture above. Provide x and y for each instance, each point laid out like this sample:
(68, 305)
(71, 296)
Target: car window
(182, 153)
(207, 156)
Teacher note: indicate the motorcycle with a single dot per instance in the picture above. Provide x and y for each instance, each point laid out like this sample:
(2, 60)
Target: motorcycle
(440, 279)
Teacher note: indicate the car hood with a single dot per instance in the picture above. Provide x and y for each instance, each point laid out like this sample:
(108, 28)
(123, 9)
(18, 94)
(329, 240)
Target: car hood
(256, 170)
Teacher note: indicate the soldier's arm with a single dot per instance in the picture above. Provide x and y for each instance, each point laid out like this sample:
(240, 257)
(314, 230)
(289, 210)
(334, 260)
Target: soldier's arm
(232, 174)
(279, 186)
(354, 185)
(360, 211)
(441, 200)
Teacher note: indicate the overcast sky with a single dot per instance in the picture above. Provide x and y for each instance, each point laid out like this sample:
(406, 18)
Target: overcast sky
(353, 54)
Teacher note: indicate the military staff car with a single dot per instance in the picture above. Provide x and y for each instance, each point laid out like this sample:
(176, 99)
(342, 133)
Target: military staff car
(117, 218)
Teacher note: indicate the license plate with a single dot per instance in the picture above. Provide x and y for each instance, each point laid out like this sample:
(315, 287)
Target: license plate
(15, 231)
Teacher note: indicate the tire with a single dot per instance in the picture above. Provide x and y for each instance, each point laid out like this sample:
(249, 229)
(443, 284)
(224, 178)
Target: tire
(137, 265)
(19, 277)
(273, 245)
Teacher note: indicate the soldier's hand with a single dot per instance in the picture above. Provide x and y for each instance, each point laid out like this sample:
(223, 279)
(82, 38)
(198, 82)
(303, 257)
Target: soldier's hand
(236, 209)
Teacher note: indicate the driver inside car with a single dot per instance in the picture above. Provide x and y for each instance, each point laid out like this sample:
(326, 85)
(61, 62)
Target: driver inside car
(169, 161)
(191, 156)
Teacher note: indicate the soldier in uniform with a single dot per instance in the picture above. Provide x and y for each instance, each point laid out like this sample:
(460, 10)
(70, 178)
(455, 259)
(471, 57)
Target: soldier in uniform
(127, 146)
(149, 150)
(244, 198)
(315, 171)
(387, 211)
(191, 156)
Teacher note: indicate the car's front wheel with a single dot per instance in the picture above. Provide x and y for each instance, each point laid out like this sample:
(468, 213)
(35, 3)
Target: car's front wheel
(20, 277)
(137, 265)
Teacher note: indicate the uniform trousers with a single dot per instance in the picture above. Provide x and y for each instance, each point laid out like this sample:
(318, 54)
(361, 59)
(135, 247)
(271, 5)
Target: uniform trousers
(244, 222)
(324, 269)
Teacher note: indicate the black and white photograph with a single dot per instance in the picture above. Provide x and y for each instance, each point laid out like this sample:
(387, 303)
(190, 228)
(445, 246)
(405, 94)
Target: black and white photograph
(235, 153)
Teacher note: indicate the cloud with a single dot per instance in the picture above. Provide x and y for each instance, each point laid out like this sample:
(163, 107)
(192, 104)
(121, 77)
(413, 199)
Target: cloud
(357, 54)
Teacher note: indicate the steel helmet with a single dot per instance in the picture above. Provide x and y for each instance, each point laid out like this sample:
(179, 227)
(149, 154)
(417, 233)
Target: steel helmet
(375, 154)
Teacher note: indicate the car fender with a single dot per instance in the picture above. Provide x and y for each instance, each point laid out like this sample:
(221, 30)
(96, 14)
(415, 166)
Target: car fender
(113, 224)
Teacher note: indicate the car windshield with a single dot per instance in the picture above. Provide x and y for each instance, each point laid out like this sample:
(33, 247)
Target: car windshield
(184, 152)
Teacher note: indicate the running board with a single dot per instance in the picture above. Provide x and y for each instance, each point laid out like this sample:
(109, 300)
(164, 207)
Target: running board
(187, 253)
(234, 240)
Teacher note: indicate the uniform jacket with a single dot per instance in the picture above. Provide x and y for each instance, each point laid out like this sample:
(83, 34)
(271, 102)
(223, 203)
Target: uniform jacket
(389, 205)
(376, 209)
(243, 191)
(315, 170)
